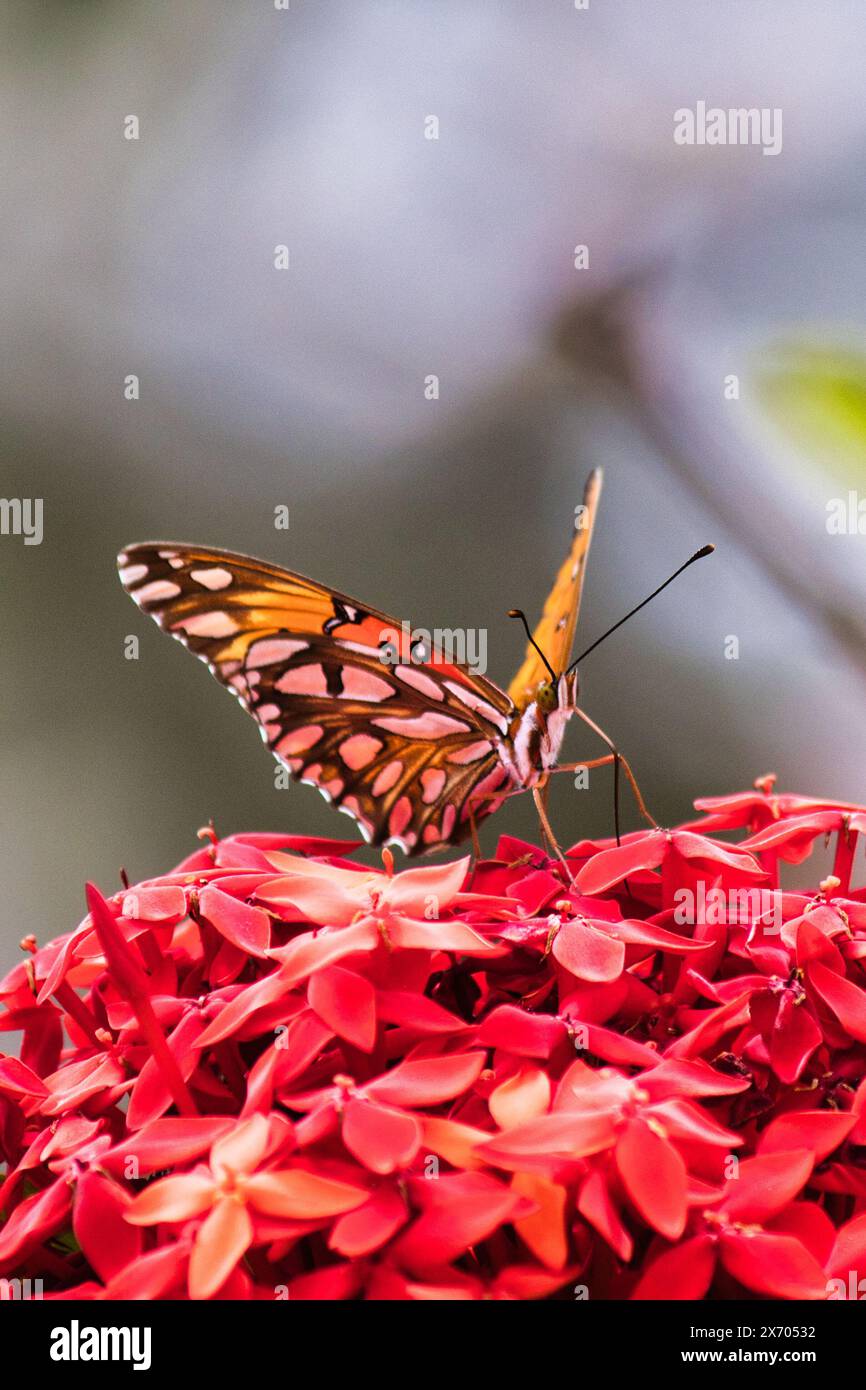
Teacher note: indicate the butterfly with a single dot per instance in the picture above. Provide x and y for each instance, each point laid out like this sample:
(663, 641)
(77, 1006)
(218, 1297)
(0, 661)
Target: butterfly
(415, 746)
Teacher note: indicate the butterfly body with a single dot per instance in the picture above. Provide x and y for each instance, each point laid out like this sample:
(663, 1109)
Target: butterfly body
(414, 751)
(538, 731)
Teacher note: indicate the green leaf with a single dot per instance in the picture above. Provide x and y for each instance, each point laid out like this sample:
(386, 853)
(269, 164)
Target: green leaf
(816, 396)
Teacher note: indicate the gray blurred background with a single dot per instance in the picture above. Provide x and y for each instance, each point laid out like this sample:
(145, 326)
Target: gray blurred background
(305, 387)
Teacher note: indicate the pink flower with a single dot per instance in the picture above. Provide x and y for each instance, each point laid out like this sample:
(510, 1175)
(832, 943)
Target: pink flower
(231, 1193)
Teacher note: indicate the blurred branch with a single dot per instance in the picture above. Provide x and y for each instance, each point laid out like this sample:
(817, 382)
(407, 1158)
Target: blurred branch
(618, 338)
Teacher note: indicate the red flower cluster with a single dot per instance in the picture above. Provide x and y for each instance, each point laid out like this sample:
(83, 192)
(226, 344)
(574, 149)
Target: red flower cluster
(274, 1073)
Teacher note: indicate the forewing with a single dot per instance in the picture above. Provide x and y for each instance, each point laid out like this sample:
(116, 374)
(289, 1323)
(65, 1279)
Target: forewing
(555, 631)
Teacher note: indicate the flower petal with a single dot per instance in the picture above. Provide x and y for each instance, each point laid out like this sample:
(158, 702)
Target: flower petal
(683, 1272)
(821, 1131)
(655, 1178)
(609, 867)
(108, 1241)
(248, 928)
(242, 1149)
(766, 1184)
(347, 1003)
(429, 1081)
(588, 953)
(223, 1239)
(369, 1226)
(379, 1137)
(776, 1265)
(172, 1199)
(846, 999)
(295, 1192)
(522, 1097)
(543, 1230)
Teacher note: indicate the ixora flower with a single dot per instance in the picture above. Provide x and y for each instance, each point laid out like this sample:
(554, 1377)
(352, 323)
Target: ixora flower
(275, 1073)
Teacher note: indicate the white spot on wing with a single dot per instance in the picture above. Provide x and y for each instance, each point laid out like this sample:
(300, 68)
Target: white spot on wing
(428, 725)
(217, 624)
(269, 650)
(471, 753)
(130, 574)
(363, 649)
(158, 589)
(212, 578)
(409, 675)
(363, 685)
(308, 679)
(387, 777)
(475, 702)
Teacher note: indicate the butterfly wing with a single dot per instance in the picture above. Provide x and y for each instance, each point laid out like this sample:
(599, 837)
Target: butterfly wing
(555, 631)
(404, 747)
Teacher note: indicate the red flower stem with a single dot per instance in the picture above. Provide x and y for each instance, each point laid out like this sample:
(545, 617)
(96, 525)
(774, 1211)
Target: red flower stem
(163, 1057)
(672, 867)
(769, 862)
(130, 979)
(843, 862)
(151, 954)
(75, 1006)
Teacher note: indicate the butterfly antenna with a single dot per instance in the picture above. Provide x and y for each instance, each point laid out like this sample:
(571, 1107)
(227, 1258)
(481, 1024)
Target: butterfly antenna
(519, 613)
(698, 555)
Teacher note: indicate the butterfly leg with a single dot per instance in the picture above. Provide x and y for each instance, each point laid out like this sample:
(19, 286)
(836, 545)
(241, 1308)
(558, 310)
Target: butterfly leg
(549, 845)
(539, 799)
(473, 829)
(614, 758)
(476, 801)
(618, 758)
(584, 766)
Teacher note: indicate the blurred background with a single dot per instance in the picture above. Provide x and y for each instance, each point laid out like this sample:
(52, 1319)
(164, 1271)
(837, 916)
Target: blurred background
(709, 355)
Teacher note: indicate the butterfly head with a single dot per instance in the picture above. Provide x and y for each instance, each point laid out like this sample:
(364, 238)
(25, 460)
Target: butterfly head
(557, 695)
(540, 730)
(546, 697)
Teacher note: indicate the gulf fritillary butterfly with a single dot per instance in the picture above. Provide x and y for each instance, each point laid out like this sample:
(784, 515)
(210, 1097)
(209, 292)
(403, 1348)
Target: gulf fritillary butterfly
(413, 751)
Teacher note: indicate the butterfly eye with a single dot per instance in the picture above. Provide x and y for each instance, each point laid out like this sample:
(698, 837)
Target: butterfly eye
(546, 697)
(419, 652)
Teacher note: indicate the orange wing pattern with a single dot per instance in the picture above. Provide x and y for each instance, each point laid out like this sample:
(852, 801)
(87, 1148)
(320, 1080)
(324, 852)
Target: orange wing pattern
(555, 631)
(406, 747)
